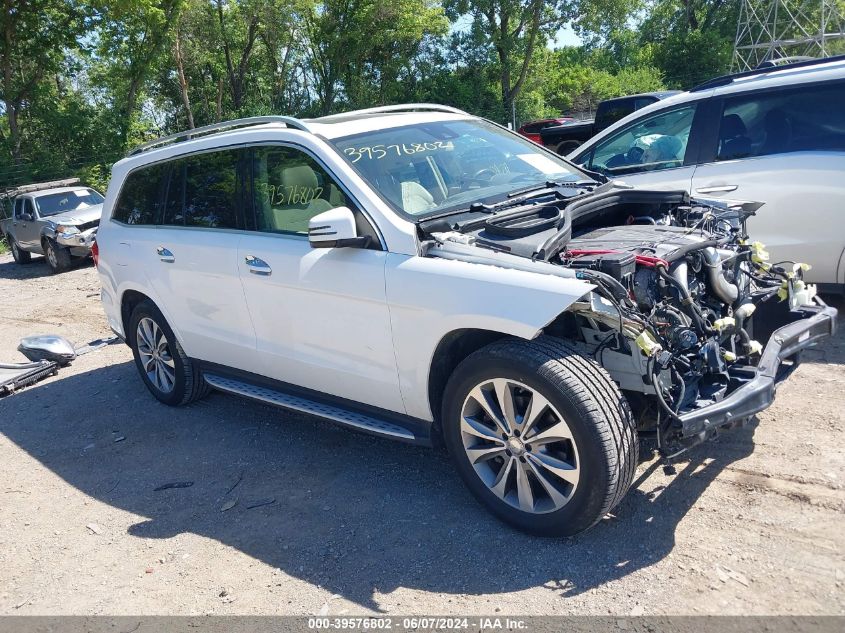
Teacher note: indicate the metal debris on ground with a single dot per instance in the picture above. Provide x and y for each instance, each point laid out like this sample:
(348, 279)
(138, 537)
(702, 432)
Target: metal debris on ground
(260, 502)
(174, 484)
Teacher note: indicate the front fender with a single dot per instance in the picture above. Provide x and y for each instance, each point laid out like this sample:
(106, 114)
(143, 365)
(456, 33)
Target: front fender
(430, 297)
(47, 231)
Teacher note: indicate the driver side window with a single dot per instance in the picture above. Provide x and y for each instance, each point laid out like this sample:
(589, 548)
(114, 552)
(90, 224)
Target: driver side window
(654, 143)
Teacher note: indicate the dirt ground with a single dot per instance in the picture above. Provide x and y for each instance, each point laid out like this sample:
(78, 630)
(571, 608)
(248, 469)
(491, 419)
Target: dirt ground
(750, 524)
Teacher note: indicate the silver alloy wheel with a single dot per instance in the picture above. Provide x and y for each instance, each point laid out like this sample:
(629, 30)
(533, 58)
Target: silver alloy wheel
(154, 351)
(520, 446)
(51, 256)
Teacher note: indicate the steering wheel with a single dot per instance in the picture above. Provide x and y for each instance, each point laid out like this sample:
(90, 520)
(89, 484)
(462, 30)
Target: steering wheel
(482, 176)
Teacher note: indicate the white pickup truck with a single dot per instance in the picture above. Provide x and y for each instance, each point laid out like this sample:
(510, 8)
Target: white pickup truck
(56, 219)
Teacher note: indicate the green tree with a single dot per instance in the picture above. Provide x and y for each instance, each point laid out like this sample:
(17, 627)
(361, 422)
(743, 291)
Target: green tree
(36, 34)
(133, 36)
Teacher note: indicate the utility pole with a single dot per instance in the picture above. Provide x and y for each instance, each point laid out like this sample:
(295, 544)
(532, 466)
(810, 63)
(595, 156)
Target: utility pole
(774, 29)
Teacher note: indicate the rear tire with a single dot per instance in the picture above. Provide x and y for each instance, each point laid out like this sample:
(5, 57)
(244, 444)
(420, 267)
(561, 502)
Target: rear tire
(552, 470)
(20, 256)
(170, 375)
(58, 257)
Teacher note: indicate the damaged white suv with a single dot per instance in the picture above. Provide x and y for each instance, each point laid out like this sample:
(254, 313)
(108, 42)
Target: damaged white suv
(422, 274)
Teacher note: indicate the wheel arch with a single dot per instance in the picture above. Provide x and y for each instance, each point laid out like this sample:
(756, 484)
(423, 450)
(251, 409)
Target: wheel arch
(129, 300)
(454, 347)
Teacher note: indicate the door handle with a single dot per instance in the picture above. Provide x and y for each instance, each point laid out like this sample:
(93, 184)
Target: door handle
(717, 189)
(165, 255)
(257, 266)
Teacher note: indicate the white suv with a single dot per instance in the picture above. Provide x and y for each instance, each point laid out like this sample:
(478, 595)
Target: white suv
(774, 135)
(419, 273)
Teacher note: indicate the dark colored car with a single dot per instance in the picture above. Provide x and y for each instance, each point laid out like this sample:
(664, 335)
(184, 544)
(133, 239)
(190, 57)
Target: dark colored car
(565, 138)
(531, 130)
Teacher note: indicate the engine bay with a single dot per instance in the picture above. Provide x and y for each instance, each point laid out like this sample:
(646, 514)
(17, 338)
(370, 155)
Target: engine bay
(684, 300)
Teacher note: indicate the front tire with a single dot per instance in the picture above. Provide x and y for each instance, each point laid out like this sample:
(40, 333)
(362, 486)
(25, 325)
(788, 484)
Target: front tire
(540, 434)
(20, 256)
(58, 257)
(169, 374)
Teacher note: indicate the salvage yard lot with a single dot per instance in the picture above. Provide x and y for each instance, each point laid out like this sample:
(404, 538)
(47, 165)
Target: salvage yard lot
(330, 521)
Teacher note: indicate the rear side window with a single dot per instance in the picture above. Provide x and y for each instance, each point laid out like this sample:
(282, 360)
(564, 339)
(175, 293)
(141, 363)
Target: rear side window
(778, 122)
(206, 190)
(140, 198)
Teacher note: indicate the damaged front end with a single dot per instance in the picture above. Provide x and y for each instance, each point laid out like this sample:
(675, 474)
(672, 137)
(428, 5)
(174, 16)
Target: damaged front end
(688, 315)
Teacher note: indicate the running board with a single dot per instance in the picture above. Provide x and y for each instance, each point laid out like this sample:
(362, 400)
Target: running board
(360, 421)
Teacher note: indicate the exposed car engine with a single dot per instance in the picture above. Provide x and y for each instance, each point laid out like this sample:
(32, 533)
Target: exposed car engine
(677, 285)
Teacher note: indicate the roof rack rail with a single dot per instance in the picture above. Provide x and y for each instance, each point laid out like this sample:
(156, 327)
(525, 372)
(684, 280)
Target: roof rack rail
(217, 127)
(10, 192)
(725, 80)
(405, 107)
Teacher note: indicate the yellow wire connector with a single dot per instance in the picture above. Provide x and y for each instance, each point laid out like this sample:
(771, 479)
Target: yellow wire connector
(647, 344)
(724, 323)
(759, 254)
(754, 347)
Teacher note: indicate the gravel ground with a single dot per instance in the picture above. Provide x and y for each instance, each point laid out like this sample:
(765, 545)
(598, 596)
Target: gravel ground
(751, 523)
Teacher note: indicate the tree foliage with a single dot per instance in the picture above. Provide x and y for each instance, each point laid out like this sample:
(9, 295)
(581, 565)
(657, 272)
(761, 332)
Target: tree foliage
(83, 80)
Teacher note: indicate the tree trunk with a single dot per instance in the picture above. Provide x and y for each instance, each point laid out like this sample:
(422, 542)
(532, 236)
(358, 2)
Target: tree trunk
(219, 100)
(183, 83)
(8, 91)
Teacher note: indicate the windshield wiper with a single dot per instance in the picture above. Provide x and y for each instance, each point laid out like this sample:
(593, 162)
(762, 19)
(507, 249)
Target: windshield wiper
(515, 197)
(534, 191)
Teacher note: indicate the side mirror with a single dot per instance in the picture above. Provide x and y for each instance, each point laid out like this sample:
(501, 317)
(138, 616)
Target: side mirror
(26, 217)
(335, 228)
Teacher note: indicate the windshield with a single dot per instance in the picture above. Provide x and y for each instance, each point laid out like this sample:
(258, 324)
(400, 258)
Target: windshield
(431, 168)
(55, 203)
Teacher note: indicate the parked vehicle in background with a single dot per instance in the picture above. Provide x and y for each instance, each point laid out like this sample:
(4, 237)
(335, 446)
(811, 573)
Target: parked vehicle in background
(425, 275)
(56, 219)
(565, 138)
(774, 135)
(531, 130)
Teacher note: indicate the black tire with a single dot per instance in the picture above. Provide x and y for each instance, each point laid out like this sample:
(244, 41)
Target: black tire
(58, 257)
(189, 384)
(597, 414)
(20, 256)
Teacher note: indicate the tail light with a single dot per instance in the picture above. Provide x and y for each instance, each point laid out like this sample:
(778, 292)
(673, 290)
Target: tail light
(95, 253)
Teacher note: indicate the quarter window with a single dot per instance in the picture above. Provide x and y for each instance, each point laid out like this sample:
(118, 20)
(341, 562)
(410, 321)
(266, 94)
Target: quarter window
(140, 198)
(654, 143)
(289, 189)
(783, 121)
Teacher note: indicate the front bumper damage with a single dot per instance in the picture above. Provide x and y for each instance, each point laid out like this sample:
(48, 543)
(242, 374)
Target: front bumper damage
(79, 243)
(804, 326)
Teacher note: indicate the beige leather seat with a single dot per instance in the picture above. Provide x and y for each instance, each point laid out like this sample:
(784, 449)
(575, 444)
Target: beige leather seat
(416, 198)
(296, 181)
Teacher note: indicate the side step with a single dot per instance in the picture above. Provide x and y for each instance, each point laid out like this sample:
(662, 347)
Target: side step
(360, 421)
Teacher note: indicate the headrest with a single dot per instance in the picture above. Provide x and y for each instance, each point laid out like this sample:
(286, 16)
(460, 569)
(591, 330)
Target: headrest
(733, 126)
(299, 175)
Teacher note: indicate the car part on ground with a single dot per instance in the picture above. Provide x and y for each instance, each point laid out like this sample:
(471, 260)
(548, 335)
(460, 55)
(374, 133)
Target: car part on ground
(48, 347)
(14, 376)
